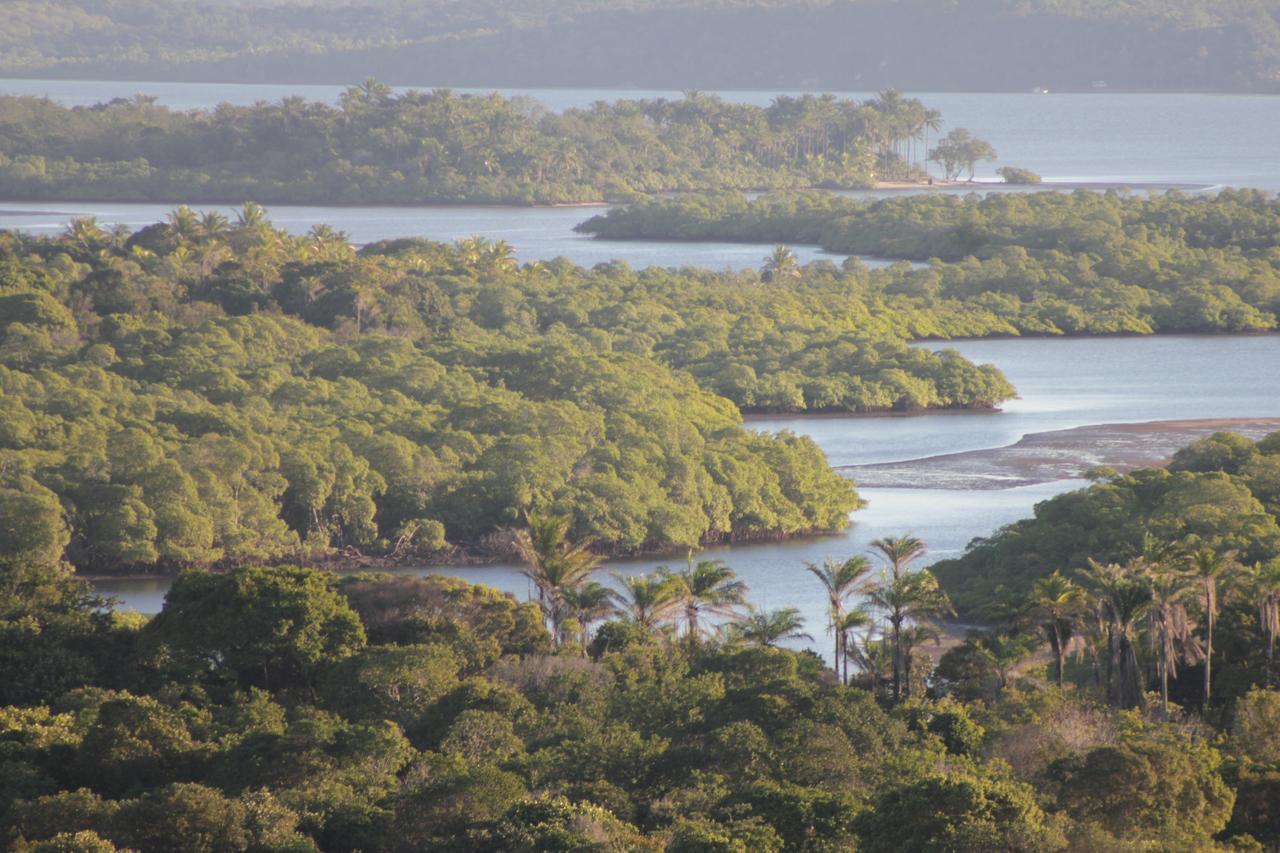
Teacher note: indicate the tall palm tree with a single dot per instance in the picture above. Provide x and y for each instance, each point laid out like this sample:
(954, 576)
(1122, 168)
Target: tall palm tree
(650, 600)
(184, 222)
(328, 242)
(851, 621)
(251, 216)
(1057, 606)
(932, 121)
(213, 225)
(1263, 587)
(769, 627)
(1208, 567)
(711, 588)
(899, 551)
(85, 235)
(1123, 597)
(782, 262)
(841, 580)
(1171, 629)
(554, 563)
(587, 604)
(908, 601)
(502, 255)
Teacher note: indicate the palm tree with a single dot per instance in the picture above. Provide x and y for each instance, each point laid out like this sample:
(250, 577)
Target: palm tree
(908, 601)
(932, 121)
(1171, 629)
(502, 255)
(184, 222)
(554, 563)
(770, 627)
(328, 242)
(847, 630)
(1123, 597)
(899, 551)
(1208, 567)
(251, 216)
(1264, 589)
(587, 604)
(650, 600)
(213, 224)
(710, 589)
(86, 235)
(1057, 605)
(781, 262)
(841, 580)
(874, 657)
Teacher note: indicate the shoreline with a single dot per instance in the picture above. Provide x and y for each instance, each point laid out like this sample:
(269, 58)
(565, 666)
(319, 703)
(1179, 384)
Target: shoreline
(1034, 459)
(879, 186)
(985, 184)
(202, 77)
(1054, 455)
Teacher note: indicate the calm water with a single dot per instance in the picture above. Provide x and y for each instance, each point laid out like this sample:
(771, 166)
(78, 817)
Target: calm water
(1160, 138)
(536, 233)
(1065, 383)
(1070, 382)
(947, 520)
(1194, 139)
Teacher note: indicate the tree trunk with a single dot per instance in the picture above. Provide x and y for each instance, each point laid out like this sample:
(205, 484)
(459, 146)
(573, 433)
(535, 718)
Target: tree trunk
(897, 659)
(1208, 651)
(1058, 652)
(1164, 689)
(835, 661)
(1271, 659)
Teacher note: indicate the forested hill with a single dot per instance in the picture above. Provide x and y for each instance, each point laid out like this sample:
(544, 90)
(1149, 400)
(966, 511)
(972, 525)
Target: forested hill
(856, 45)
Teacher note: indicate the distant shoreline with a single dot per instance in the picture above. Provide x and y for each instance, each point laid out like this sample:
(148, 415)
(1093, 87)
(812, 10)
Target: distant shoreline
(880, 186)
(938, 184)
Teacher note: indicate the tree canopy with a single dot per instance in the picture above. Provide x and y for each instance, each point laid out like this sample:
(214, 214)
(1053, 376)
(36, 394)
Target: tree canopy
(378, 147)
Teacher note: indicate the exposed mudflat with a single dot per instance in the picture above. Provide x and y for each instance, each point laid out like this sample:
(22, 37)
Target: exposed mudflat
(1058, 455)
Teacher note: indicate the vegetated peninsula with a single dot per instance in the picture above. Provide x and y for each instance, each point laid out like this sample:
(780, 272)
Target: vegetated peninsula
(203, 391)
(856, 45)
(377, 147)
(1041, 263)
(1220, 493)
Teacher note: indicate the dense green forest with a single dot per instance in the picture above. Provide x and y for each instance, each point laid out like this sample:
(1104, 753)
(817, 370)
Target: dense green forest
(850, 45)
(289, 709)
(417, 147)
(1222, 492)
(201, 391)
(1042, 263)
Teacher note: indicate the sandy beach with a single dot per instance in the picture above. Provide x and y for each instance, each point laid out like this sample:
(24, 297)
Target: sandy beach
(1058, 455)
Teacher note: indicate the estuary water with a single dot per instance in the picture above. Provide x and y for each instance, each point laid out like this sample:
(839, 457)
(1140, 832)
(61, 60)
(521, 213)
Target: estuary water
(535, 233)
(1064, 383)
(1206, 140)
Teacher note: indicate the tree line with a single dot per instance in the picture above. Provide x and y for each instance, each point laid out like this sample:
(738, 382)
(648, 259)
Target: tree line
(1042, 263)
(378, 147)
(1133, 45)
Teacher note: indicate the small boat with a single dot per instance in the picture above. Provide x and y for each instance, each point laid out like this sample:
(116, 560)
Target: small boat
(1039, 90)
(1099, 84)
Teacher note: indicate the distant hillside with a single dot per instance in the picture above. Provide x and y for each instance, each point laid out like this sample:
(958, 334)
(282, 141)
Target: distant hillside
(840, 44)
